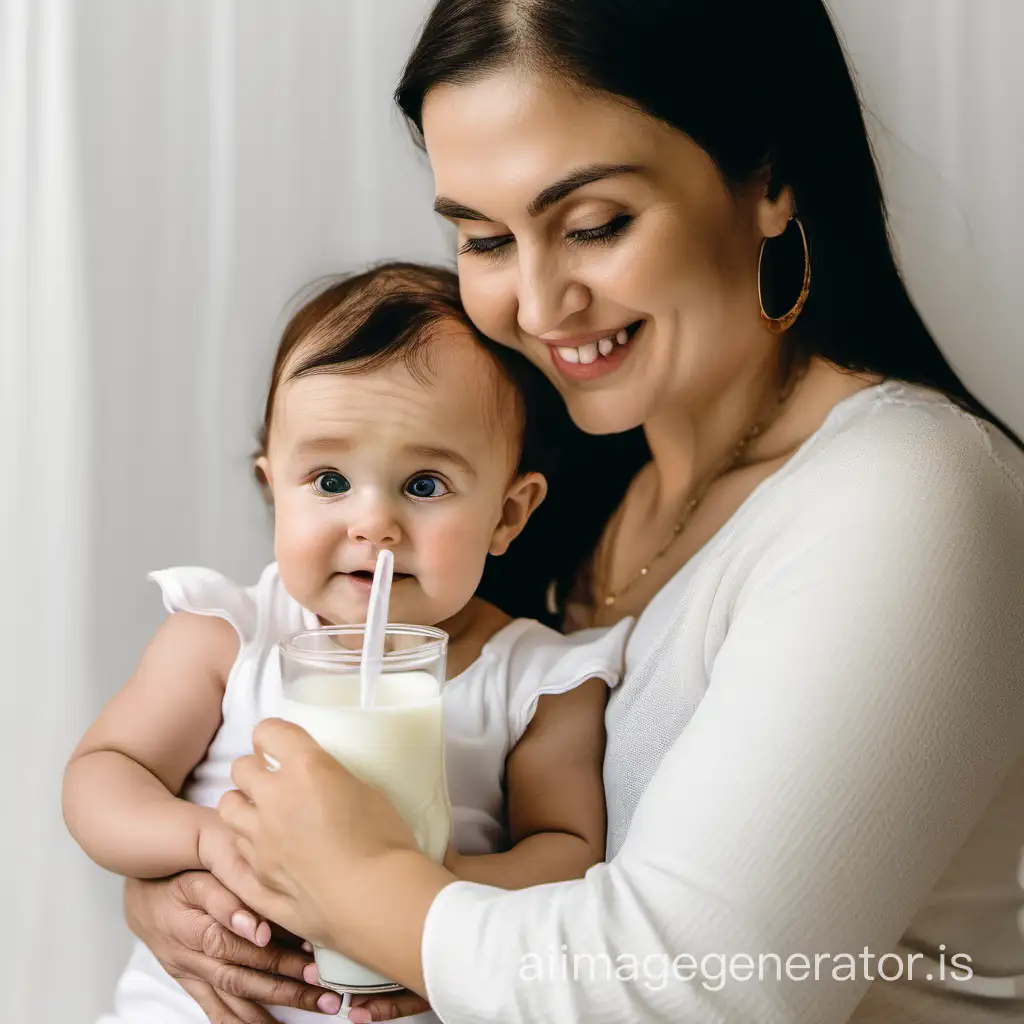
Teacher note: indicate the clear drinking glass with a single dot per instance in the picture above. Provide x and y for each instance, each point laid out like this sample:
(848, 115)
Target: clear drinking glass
(397, 745)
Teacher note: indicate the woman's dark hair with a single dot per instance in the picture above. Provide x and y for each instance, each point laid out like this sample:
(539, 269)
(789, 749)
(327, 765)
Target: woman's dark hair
(361, 322)
(765, 89)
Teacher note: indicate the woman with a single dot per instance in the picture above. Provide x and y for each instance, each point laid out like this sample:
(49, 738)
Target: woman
(815, 758)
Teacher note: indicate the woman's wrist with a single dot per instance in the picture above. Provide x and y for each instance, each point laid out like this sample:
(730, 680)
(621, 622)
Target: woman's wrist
(385, 929)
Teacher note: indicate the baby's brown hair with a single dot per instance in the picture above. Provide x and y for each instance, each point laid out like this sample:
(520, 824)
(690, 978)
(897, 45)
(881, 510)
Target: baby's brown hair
(362, 322)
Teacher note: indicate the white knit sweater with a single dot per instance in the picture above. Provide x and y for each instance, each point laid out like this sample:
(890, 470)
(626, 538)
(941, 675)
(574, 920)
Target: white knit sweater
(818, 749)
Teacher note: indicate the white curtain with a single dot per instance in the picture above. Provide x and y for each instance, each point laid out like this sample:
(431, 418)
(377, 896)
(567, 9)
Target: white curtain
(171, 171)
(943, 82)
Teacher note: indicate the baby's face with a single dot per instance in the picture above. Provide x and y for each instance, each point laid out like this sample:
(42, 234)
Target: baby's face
(423, 465)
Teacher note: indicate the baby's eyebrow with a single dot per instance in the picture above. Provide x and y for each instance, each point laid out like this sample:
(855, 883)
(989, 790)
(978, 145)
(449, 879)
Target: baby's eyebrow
(315, 445)
(443, 455)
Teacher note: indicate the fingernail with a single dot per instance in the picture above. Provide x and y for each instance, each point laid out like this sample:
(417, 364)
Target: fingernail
(310, 975)
(360, 1015)
(329, 1002)
(244, 925)
(308, 946)
(262, 936)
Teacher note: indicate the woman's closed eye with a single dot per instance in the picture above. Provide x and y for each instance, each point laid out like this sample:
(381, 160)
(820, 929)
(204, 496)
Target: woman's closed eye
(492, 245)
(426, 486)
(606, 232)
(330, 483)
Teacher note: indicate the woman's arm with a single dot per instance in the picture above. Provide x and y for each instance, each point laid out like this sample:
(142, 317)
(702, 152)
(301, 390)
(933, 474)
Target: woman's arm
(121, 781)
(555, 796)
(862, 712)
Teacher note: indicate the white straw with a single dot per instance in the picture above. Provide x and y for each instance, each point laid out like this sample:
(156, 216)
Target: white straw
(346, 1002)
(376, 626)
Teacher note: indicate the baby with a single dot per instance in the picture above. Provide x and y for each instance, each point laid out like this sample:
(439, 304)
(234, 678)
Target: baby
(390, 423)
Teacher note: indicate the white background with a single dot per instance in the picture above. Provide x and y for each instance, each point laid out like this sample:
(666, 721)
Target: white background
(171, 172)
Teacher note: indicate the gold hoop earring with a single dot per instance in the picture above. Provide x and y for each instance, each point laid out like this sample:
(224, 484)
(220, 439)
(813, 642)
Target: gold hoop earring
(778, 325)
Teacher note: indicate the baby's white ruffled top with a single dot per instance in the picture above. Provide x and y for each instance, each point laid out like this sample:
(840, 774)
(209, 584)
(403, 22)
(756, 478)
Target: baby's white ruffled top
(487, 708)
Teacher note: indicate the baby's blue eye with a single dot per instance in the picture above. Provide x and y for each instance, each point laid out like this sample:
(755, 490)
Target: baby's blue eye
(426, 487)
(331, 483)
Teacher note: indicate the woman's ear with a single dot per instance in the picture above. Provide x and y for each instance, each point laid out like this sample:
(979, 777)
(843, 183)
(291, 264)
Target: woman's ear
(773, 215)
(521, 501)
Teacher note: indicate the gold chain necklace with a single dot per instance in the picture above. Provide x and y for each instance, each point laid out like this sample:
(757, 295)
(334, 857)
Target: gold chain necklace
(693, 503)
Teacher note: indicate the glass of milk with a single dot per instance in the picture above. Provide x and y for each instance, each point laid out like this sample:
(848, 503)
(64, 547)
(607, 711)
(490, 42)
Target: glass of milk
(397, 745)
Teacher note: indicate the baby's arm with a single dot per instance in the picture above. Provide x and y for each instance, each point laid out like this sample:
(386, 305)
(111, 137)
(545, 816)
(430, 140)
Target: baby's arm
(554, 796)
(121, 781)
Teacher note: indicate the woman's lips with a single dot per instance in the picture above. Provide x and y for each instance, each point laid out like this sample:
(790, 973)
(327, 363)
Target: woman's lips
(596, 358)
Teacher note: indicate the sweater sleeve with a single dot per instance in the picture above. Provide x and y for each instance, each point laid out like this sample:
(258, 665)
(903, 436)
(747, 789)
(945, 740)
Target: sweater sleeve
(863, 709)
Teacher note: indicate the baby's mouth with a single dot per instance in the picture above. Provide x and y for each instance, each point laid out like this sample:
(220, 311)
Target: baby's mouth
(366, 575)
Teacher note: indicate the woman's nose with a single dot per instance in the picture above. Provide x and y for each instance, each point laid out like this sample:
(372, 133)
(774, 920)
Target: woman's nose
(548, 295)
(374, 522)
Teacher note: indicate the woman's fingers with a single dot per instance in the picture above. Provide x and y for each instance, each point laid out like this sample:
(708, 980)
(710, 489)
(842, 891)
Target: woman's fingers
(218, 948)
(247, 772)
(204, 892)
(236, 969)
(231, 980)
(277, 744)
(192, 924)
(223, 1008)
(247, 853)
(213, 932)
(246, 1010)
(226, 1010)
(281, 741)
(235, 809)
(263, 890)
(386, 1007)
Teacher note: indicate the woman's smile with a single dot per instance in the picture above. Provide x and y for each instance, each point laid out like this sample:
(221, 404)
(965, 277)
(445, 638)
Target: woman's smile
(593, 356)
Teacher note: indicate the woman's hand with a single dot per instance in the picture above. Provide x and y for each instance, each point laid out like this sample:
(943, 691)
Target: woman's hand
(218, 951)
(306, 830)
(329, 856)
(365, 1009)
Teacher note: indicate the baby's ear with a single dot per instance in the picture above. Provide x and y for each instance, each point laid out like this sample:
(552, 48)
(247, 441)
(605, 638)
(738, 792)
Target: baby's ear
(261, 470)
(521, 501)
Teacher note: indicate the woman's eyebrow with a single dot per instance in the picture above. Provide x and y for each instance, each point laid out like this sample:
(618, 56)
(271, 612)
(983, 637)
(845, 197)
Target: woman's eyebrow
(547, 198)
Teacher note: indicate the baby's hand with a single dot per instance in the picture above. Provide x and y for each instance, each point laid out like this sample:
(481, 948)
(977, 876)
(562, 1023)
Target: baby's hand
(218, 848)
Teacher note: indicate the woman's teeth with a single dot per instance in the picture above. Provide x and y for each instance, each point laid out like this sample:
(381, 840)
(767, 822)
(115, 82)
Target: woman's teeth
(588, 353)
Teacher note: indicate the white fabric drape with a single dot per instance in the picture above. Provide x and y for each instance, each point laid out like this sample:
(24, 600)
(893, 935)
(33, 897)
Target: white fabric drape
(170, 173)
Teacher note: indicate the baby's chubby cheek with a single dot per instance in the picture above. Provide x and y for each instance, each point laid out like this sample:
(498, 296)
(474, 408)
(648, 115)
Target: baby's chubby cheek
(304, 560)
(450, 561)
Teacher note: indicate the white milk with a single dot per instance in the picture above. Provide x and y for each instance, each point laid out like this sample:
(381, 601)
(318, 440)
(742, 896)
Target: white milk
(397, 746)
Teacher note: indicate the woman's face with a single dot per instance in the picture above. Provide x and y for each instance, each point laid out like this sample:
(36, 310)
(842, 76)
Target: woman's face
(602, 244)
